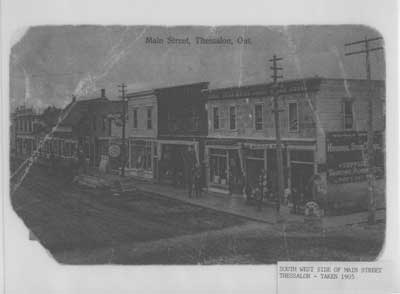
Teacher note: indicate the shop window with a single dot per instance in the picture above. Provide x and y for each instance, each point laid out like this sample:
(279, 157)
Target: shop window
(255, 153)
(216, 118)
(293, 117)
(66, 149)
(140, 152)
(69, 149)
(302, 156)
(195, 118)
(135, 118)
(258, 117)
(348, 114)
(232, 117)
(218, 166)
(74, 149)
(60, 145)
(55, 146)
(149, 118)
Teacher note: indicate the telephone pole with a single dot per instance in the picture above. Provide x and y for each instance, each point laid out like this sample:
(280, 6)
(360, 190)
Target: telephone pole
(122, 89)
(370, 177)
(276, 110)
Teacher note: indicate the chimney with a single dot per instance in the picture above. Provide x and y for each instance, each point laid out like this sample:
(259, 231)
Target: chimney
(103, 93)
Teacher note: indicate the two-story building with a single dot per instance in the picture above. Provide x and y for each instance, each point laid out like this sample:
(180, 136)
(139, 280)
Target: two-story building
(141, 134)
(26, 131)
(182, 129)
(89, 122)
(313, 111)
(165, 130)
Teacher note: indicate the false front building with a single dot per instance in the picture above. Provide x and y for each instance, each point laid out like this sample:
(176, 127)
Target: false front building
(323, 125)
(165, 130)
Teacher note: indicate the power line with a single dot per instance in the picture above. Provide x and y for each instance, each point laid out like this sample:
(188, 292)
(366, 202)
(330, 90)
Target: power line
(366, 50)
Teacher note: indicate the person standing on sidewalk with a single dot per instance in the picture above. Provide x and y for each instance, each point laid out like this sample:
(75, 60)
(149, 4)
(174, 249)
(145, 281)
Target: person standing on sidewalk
(197, 181)
(275, 193)
(190, 181)
(295, 196)
(262, 184)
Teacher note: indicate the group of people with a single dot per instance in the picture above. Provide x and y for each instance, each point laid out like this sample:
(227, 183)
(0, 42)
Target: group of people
(266, 188)
(261, 191)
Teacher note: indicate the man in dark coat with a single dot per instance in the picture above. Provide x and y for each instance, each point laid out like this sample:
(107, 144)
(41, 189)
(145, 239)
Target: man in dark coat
(197, 181)
(295, 195)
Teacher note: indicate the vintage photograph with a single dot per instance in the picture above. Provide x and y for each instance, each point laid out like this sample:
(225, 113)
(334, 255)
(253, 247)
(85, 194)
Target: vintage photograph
(196, 145)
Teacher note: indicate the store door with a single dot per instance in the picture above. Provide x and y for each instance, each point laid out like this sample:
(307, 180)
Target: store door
(254, 168)
(302, 169)
(235, 180)
(301, 175)
(172, 166)
(272, 169)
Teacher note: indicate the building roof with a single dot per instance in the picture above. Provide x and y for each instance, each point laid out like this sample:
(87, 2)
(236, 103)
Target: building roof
(74, 111)
(263, 89)
(310, 84)
(157, 90)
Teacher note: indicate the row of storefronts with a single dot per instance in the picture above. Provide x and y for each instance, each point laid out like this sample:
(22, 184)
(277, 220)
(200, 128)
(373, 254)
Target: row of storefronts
(26, 145)
(227, 165)
(235, 141)
(229, 134)
(232, 164)
(166, 161)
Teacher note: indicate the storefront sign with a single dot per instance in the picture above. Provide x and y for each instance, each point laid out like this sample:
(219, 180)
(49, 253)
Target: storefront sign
(347, 156)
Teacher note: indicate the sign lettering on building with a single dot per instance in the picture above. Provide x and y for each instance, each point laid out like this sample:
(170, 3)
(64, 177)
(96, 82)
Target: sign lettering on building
(347, 156)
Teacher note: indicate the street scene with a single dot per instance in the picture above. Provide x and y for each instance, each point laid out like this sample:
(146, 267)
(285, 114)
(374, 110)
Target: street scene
(199, 145)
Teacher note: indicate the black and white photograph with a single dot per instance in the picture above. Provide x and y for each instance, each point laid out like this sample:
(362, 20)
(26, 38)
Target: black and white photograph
(199, 145)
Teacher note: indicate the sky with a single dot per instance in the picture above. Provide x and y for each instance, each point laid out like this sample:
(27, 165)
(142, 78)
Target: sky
(49, 64)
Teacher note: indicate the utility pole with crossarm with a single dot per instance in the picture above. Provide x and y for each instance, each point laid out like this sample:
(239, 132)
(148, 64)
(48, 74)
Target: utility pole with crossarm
(122, 89)
(276, 110)
(371, 193)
